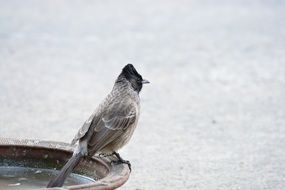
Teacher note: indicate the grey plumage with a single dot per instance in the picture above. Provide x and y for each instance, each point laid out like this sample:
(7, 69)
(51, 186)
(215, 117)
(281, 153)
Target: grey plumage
(112, 124)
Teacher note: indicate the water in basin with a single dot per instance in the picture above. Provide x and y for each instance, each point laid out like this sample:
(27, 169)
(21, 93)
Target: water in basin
(22, 178)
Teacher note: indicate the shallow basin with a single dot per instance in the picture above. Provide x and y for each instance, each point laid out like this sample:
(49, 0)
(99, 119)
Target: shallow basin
(35, 162)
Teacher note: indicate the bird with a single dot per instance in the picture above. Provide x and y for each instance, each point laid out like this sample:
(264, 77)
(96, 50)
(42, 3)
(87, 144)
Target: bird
(111, 125)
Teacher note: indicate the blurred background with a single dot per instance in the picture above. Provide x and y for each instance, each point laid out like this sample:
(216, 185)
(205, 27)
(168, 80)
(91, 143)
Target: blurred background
(213, 116)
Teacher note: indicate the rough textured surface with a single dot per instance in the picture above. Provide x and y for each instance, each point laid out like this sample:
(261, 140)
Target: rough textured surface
(213, 116)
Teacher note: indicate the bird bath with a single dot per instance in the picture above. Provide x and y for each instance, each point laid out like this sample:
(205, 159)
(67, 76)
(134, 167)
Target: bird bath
(30, 164)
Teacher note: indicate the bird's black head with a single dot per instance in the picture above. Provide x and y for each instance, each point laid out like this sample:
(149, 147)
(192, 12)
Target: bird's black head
(131, 74)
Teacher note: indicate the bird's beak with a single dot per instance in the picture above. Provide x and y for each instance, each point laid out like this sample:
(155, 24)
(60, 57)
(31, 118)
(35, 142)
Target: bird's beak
(144, 81)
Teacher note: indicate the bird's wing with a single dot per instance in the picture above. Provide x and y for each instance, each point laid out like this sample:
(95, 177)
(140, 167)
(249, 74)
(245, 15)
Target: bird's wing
(83, 130)
(113, 124)
(92, 119)
(119, 122)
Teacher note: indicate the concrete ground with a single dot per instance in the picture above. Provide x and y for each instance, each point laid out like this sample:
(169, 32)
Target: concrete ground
(213, 116)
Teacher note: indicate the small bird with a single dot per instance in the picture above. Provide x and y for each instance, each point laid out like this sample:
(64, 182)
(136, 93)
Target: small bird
(111, 125)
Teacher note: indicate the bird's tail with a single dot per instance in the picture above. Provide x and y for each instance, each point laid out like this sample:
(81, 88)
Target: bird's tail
(65, 171)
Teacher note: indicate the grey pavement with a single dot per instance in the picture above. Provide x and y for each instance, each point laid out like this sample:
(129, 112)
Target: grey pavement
(213, 117)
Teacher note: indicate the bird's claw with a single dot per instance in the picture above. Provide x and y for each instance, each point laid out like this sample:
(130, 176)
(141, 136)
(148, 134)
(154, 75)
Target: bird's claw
(121, 160)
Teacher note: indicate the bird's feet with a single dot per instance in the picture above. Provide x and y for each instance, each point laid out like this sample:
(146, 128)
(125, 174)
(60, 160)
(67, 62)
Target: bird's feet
(121, 160)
